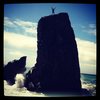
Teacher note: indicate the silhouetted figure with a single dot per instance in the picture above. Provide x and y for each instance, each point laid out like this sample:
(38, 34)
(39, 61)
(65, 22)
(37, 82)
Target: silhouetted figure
(53, 10)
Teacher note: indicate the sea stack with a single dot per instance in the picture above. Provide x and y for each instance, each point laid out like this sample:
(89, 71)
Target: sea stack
(57, 67)
(14, 67)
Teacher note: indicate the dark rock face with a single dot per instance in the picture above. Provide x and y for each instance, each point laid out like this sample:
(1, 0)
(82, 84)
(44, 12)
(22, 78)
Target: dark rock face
(57, 68)
(13, 68)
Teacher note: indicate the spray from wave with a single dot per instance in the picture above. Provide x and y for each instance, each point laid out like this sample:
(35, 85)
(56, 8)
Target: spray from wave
(89, 82)
(18, 88)
(19, 80)
(89, 86)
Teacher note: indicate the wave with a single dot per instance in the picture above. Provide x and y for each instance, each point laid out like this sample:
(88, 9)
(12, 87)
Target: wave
(18, 88)
(89, 86)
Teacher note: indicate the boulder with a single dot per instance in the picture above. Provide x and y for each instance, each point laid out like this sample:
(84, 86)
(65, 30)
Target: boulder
(14, 67)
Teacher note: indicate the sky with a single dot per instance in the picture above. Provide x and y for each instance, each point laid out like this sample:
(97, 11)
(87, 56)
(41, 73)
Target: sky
(20, 31)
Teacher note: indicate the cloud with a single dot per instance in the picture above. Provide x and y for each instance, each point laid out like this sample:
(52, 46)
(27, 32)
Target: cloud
(21, 27)
(8, 22)
(92, 25)
(82, 26)
(17, 45)
(91, 29)
(23, 23)
(16, 53)
(87, 53)
(26, 24)
(30, 30)
(19, 41)
(29, 27)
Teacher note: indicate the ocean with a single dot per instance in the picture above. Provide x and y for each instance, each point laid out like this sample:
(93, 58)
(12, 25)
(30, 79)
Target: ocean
(88, 82)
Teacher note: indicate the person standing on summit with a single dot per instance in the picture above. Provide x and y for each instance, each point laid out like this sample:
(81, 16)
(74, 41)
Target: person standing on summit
(53, 10)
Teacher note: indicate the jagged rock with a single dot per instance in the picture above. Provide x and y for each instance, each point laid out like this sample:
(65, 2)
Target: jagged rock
(57, 68)
(13, 68)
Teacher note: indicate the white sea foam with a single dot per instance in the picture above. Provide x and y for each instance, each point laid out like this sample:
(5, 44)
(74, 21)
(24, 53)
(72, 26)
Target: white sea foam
(19, 80)
(18, 88)
(90, 87)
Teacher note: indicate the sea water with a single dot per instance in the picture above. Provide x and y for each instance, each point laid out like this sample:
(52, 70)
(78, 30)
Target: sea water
(88, 82)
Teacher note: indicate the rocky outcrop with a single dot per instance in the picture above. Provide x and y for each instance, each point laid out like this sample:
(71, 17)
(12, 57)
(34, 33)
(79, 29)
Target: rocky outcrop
(57, 68)
(13, 68)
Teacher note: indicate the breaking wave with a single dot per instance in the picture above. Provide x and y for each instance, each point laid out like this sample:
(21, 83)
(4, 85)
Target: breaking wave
(90, 87)
(18, 88)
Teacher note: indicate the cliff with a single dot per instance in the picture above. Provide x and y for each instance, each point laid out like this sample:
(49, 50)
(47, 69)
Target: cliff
(57, 68)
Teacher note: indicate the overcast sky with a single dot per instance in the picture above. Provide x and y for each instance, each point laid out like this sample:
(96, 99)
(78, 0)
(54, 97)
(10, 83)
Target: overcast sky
(20, 31)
